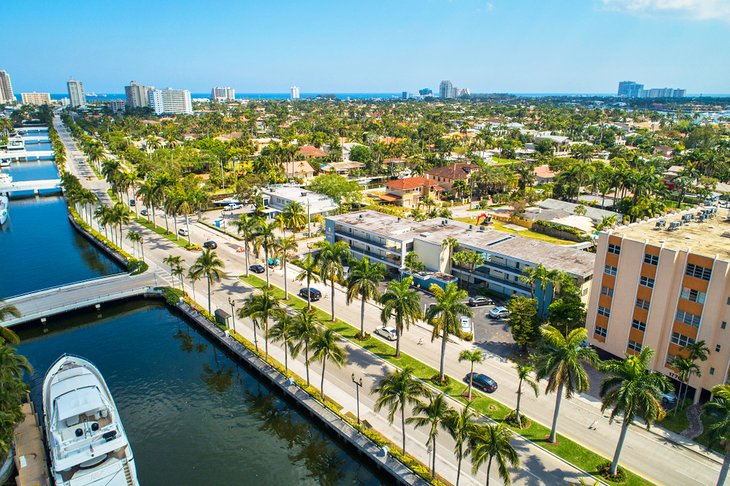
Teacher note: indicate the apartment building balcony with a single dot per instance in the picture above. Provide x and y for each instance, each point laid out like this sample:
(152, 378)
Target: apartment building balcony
(367, 241)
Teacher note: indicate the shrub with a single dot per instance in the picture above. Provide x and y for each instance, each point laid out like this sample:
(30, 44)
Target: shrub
(467, 336)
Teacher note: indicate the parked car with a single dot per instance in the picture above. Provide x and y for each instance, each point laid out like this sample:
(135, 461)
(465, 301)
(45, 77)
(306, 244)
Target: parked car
(257, 268)
(482, 382)
(498, 313)
(314, 294)
(389, 333)
(183, 232)
(210, 244)
(144, 212)
(480, 301)
(232, 207)
(669, 398)
(465, 324)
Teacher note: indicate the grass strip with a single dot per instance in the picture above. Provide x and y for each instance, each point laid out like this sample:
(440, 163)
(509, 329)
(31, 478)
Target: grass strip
(565, 448)
(161, 231)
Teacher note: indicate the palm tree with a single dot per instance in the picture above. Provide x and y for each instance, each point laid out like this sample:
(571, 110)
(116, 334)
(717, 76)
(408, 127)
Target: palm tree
(493, 442)
(561, 361)
(363, 282)
(136, 238)
(403, 304)
(265, 237)
(461, 425)
(719, 429)
(8, 310)
(209, 266)
(472, 356)
(633, 390)
(435, 414)
(247, 227)
(306, 327)
(444, 316)
(283, 332)
(397, 390)
(283, 247)
(697, 351)
(308, 274)
(449, 244)
(172, 260)
(325, 346)
(330, 259)
(295, 216)
(684, 367)
(261, 307)
(178, 271)
(523, 373)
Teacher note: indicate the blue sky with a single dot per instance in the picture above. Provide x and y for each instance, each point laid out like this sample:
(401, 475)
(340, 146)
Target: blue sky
(519, 46)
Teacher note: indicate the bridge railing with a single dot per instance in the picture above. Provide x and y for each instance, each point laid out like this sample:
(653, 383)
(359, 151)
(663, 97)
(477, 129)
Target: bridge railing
(69, 286)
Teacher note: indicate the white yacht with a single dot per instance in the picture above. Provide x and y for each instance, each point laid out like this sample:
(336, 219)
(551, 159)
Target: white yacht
(86, 439)
(3, 209)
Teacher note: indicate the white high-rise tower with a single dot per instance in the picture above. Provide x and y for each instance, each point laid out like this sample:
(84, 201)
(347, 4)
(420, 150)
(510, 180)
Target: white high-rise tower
(294, 91)
(6, 88)
(76, 93)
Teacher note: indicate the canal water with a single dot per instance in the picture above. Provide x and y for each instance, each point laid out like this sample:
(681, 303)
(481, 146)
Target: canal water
(193, 416)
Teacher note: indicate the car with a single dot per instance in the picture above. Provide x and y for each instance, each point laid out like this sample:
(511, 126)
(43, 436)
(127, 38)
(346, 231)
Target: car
(183, 232)
(132, 202)
(669, 398)
(498, 313)
(144, 212)
(210, 244)
(389, 333)
(257, 268)
(313, 294)
(465, 324)
(480, 301)
(232, 207)
(481, 381)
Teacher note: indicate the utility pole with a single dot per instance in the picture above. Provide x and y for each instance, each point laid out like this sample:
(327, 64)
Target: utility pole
(358, 385)
(233, 311)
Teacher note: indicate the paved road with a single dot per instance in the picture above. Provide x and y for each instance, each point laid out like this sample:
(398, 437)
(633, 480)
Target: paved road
(655, 455)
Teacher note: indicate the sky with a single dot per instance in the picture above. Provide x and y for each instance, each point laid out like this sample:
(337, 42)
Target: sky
(377, 46)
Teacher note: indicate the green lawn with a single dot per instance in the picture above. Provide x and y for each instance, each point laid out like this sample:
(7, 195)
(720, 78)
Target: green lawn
(501, 226)
(161, 231)
(538, 433)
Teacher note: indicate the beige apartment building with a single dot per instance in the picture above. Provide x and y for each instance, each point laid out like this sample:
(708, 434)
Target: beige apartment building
(665, 284)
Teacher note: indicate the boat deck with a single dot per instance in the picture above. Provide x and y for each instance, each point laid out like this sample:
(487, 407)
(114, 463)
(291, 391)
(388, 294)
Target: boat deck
(30, 453)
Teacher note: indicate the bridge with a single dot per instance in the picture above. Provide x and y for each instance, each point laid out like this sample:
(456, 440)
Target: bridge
(37, 129)
(25, 155)
(45, 186)
(36, 139)
(42, 304)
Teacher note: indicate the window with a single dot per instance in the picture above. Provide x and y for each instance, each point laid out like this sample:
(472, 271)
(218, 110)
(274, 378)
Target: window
(634, 345)
(607, 291)
(712, 371)
(609, 270)
(728, 301)
(615, 249)
(637, 324)
(717, 348)
(723, 325)
(602, 311)
(651, 259)
(601, 331)
(693, 295)
(689, 319)
(647, 282)
(681, 339)
(698, 272)
(643, 304)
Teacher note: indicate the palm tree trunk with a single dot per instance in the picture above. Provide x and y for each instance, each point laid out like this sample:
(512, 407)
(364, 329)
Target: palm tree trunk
(519, 398)
(286, 358)
(397, 343)
(141, 247)
(286, 283)
(309, 293)
(489, 467)
(332, 297)
(306, 360)
(721, 479)
(444, 338)
(458, 466)
(266, 337)
(362, 318)
(209, 295)
(554, 429)
(321, 383)
(471, 380)
(619, 446)
(245, 254)
(187, 226)
(266, 265)
(433, 460)
(255, 338)
(403, 428)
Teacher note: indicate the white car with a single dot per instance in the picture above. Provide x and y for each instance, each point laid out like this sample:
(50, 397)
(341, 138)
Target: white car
(465, 324)
(389, 333)
(183, 232)
(499, 313)
(232, 207)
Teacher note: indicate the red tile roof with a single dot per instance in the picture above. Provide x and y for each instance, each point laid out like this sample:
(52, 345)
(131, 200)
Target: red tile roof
(543, 172)
(389, 198)
(410, 183)
(453, 171)
(311, 151)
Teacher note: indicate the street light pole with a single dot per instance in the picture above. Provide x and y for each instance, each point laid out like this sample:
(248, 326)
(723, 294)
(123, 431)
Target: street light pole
(233, 311)
(358, 385)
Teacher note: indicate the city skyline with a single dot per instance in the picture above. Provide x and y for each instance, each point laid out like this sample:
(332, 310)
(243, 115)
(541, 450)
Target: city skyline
(576, 47)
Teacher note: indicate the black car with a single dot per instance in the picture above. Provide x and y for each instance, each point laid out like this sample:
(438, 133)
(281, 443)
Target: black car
(481, 381)
(314, 294)
(257, 268)
(210, 244)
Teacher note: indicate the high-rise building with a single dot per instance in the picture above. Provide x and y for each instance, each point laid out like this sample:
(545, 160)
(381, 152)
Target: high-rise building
(665, 284)
(425, 92)
(36, 98)
(136, 94)
(76, 93)
(294, 92)
(446, 89)
(630, 89)
(116, 106)
(223, 94)
(6, 88)
(172, 101)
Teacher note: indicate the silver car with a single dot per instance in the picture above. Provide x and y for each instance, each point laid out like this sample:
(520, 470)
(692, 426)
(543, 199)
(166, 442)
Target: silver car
(389, 333)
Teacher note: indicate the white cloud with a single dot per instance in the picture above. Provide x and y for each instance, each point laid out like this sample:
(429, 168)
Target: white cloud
(692, 9)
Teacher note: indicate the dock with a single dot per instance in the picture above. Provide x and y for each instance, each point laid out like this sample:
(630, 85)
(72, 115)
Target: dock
(31, 461)
(40, 187)
(26, 155)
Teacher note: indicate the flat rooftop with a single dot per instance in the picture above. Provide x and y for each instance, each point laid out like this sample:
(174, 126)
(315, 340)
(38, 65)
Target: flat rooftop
(709, 238)
(479, 238)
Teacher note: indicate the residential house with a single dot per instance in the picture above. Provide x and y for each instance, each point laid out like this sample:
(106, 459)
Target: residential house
(446, 175)
(408, 192)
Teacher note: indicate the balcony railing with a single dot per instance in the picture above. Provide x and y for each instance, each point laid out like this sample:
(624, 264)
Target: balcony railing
(367, 241)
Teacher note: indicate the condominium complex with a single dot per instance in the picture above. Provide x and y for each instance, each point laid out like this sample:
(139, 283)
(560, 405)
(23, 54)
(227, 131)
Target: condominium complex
(665, 284)
(222, 94)
(76, 93)
(116, 106)
(631, 89)
(277, 197)
(387, 239)
(170, 101)
(6, 88)
(294, 92)
(36, 98)
(136, 94)
(446, 90)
